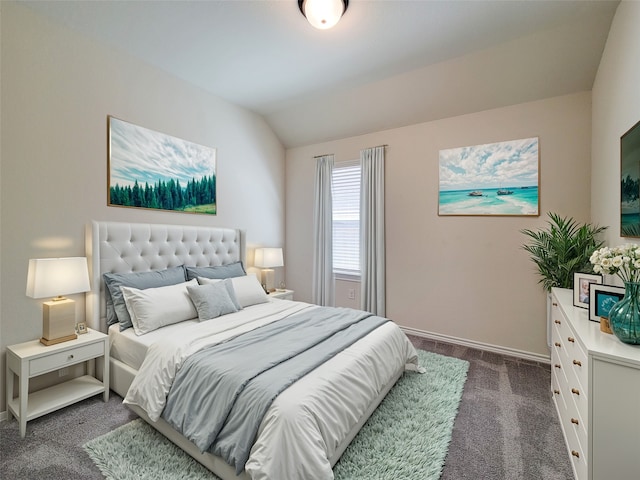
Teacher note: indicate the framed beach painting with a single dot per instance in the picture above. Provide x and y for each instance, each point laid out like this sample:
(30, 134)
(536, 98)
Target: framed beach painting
(630, 182)
(492, 179)
(149, 169)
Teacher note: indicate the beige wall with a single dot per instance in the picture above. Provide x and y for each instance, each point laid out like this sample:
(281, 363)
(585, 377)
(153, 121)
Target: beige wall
(57, 90)
(616, 108)
(463, 277)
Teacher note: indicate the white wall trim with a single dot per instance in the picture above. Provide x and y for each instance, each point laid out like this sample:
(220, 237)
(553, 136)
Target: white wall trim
(3, 416)
(511, 352)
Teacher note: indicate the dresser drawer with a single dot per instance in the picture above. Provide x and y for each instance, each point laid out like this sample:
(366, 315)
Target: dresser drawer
(557, 359)
(576, 360)
(579, 399)
(574, 435)
(65, 358)
(557, 391)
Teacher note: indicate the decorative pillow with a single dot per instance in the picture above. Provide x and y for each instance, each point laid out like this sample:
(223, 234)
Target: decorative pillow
(221, 271)
(212, 300)
(116, 308)
(247, 289)
(153, 308)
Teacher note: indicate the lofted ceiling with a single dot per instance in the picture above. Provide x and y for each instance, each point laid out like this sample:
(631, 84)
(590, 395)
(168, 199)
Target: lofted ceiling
(388, 63)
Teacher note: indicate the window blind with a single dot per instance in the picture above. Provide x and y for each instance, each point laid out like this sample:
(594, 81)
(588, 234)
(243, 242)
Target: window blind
(346, 218)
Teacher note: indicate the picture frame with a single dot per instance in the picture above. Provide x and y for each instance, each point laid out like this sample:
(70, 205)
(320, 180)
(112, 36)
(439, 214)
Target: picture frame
(81, 328)
(581, 287)
(494, 179)
(601, 299)
(153, 170)
(630, 182)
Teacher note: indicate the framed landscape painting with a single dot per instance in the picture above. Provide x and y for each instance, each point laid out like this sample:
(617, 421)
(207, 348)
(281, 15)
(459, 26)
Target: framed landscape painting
(149, 169)
(492, 179)
(630, 182)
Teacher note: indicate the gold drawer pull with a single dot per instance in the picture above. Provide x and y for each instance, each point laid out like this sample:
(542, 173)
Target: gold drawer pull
(577, 362)
(575, 391)
(557, 365)
(557, 392)
(571, 339)
(575, 454)
(557, 344)
(574, 421)
(557, 321)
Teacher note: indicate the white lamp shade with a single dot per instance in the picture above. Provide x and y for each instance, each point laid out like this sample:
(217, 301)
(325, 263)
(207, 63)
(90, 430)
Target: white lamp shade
(51, 277)
(323, 14)
(268, 258)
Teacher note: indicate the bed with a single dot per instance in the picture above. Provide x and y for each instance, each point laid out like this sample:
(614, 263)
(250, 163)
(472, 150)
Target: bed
(313, 418)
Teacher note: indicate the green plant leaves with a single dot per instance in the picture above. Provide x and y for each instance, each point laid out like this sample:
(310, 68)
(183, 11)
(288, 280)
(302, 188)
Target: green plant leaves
(562, 249)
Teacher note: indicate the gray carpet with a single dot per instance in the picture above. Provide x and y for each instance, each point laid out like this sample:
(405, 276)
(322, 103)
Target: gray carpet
(506, 428)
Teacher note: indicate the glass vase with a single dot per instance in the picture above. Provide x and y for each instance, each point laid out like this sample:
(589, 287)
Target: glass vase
(625, 315)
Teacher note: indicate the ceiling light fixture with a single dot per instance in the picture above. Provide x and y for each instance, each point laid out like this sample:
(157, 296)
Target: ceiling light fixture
(323, 14)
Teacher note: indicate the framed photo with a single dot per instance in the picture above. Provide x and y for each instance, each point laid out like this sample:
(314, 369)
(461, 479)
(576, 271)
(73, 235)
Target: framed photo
(81, 328)
(602, 298)
(493, 179)
(630, 182)
(149, 169)
(581, 288)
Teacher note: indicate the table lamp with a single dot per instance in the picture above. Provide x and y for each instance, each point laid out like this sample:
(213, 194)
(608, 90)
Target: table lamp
(267, 259)
(54, 277)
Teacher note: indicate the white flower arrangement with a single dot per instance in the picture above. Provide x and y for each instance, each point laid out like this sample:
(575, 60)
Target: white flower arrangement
(623, 261)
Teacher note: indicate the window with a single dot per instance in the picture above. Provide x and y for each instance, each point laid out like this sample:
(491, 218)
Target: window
(345, 185)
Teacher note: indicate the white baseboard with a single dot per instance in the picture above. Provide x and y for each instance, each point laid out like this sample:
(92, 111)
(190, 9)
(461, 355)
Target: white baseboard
(511, 352)
(3, 416)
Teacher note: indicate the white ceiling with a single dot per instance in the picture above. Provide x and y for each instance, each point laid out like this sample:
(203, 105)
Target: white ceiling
(386, 64)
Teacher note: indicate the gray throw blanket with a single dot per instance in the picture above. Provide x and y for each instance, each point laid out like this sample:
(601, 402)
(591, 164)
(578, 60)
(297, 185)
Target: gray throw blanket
(221, 394)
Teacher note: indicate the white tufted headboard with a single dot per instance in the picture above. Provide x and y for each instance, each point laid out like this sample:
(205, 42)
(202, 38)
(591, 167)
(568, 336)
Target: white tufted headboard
(142, 247)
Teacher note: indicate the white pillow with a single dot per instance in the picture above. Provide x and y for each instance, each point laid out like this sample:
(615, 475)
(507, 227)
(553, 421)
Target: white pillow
(153, 308)
(247, 288)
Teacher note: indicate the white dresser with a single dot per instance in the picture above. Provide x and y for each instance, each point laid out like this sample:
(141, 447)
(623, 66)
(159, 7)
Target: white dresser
(595, 383)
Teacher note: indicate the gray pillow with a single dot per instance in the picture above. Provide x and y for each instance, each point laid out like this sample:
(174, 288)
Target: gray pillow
(116, 308)
(220, 272)
(212, 300)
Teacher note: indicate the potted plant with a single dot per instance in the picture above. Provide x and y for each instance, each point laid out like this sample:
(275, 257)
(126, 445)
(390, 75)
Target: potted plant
(559, 251)
(562, 249)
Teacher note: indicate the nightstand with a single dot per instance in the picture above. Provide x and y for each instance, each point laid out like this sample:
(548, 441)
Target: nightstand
(282, 294)
(30, 359)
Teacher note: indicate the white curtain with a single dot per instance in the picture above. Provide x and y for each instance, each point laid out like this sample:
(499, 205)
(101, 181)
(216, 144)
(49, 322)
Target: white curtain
(372, 249)
(323, 285)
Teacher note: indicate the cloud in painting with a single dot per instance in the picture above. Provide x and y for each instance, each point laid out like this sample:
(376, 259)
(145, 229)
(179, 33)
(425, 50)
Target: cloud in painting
(137, 153)
(494, 165)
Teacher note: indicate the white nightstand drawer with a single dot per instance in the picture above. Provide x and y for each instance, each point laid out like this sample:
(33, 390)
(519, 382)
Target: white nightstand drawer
(67, 357)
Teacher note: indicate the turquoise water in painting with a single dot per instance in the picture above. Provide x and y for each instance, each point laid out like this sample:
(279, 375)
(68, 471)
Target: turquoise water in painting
(523, 201)
(630, 224)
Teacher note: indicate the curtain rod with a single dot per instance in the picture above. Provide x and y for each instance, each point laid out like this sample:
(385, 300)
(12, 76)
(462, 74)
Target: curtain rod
(318, 156)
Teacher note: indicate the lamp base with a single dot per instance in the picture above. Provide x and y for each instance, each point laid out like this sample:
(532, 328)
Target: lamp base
(268, 279)
(47, 342)
(58, 321)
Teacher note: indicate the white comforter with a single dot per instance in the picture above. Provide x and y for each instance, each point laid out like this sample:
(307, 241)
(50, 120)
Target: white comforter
(304, 426)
